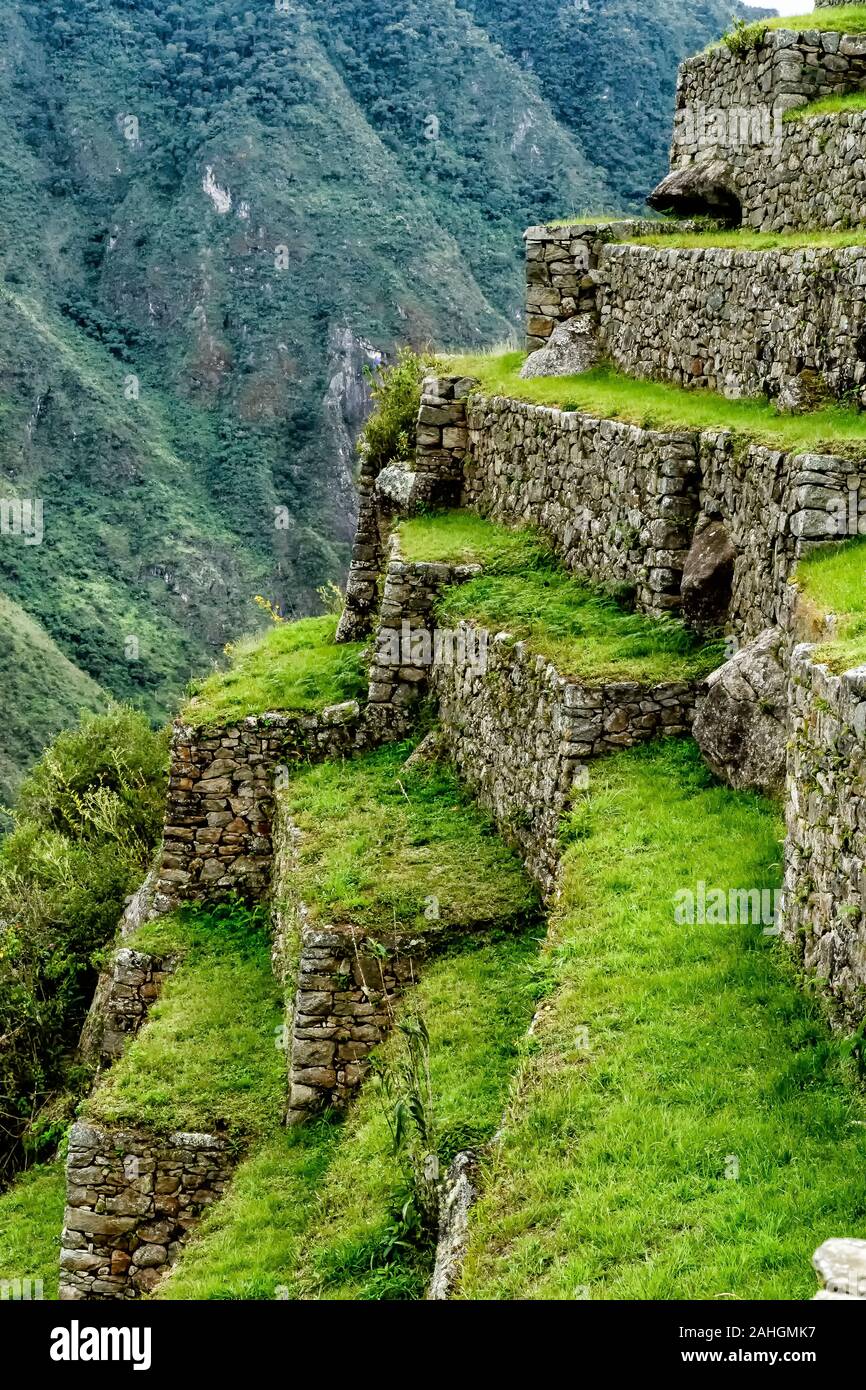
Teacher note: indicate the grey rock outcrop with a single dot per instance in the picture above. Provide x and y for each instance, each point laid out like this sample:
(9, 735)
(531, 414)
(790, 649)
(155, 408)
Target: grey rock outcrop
(459, 1193)
(708, 576)
(572, 347)
(740, 723)
(841, 1267)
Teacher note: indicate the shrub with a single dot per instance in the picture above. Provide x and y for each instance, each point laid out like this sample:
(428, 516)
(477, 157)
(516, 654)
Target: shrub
(86, 827)
(389, 434)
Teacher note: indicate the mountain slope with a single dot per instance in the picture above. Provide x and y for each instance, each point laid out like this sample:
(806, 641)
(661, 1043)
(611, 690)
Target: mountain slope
(214, 218)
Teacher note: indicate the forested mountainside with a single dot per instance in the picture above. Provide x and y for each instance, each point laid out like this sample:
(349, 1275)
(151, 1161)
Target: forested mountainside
(213, 217)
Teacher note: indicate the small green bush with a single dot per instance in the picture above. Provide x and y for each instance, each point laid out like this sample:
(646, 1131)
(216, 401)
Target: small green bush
(88, 822)
(389, 433)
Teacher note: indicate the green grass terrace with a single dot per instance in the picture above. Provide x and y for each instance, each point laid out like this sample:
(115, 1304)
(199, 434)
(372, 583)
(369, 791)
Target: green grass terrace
(525, 591)
(293, 666)
(833, 583)
(605, 393)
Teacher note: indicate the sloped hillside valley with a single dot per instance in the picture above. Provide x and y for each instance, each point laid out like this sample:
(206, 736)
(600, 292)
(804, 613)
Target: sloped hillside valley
(486, 923)
(216, 219)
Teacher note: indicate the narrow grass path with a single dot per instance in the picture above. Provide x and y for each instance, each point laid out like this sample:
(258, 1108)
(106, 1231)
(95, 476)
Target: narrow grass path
(685, 1125)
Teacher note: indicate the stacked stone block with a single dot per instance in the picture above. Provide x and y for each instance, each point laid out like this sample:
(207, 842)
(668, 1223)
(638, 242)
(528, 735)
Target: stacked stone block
(407, 639)
(124, 995)
(132, 1199)
(618, 502)
(824, 910)
(790, 325)
(730, 136)
(217, 837)
(344, 1008)
(521, 734)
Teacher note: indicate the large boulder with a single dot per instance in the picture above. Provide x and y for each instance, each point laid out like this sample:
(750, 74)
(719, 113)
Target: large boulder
(706, 188)
(708, 575)
(571, 348)
(740, 721)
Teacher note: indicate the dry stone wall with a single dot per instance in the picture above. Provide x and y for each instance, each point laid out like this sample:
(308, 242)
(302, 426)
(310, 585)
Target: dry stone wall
(617, 502)
(217, 837)
(123, 997)
(132, 1199)
(824, 900)
(777, 507)
(343, 1009)
(731, 139)
(790, 325)
(520, 735)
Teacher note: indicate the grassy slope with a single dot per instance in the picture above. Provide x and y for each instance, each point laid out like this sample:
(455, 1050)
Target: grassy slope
(699, 1047)
(207, 1058)
(378, 840)
(293, 666)
(44, 691)
(605, 393)
(526, 592)
(832, 579)
(31, 1218)
(313, 1211)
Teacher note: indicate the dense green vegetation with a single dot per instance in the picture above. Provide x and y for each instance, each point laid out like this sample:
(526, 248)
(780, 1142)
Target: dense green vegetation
(684, 1124)
(200, 201)
(526, 592)
(606, 393)
(31, 1219)
(608, 70)
(41, 688)
(88, 821)
(832, 582)
(293, 666)
(207, 1059)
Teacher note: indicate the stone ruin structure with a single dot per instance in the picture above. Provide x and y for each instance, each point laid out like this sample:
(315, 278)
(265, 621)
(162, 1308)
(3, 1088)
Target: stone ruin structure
(695, 523)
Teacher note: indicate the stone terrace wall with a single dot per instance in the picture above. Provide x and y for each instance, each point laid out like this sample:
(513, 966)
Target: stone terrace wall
(789, 324)
(621, 505)
(121, 1003)
(790, 68)
(729, 132)
(520, 735)
(131, 1200)
(342, 1010)
(217, 837)
(824, 912)
(776, 508)
(618, 502)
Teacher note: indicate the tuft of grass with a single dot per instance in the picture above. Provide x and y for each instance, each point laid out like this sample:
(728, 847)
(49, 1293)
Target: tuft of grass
(828, 106)
(833, 580)
(744, 37)
(315, 1213)
(379, 840)
(526, 592)
(607, 394)
(291, 667)
(668, 1057)
(206, 1058)
(31, 1219)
